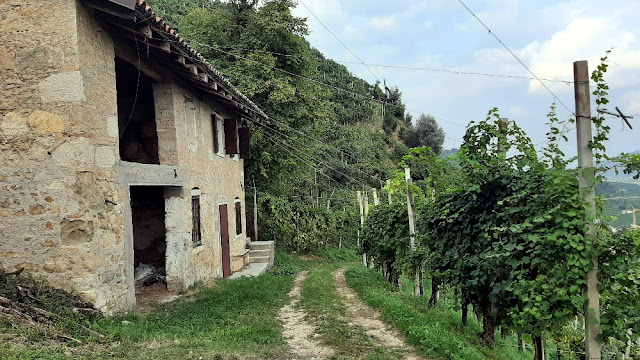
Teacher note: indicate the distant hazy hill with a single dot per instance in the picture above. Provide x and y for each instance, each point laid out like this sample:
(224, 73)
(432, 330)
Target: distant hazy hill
(446, 153)
(619, 196)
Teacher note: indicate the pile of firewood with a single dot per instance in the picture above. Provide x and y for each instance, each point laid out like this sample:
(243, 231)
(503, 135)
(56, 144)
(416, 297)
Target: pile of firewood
(25, 303)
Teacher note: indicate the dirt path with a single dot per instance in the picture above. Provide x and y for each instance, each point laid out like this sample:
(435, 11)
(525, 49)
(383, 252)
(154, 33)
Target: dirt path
(300, 335)
(368, 319)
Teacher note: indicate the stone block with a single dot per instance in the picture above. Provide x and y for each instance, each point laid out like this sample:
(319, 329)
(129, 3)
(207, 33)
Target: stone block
(74, 152)
(34, 58)
(46, 122)
(76, 232)
(112, 126)
(13, 125)
(6, 59)
(62, 87)
(106, 156)
(58, 264)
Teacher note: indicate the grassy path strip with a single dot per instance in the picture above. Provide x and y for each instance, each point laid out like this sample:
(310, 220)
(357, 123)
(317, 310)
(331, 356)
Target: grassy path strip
(230, 320)
(297, 331)
(358, 313)
(327, 311)
(435, 332)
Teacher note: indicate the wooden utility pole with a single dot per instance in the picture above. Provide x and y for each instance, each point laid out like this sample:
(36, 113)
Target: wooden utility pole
(586, 179)
(411, 209)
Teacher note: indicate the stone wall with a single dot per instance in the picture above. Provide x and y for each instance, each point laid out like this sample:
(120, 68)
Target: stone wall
(64, 193)
(61, 205)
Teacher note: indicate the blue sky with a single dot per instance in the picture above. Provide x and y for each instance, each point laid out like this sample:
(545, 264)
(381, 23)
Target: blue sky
(440, 34)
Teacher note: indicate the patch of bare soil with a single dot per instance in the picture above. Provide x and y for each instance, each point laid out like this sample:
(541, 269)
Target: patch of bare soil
(300, 335)
(368, 319)
(148, 296)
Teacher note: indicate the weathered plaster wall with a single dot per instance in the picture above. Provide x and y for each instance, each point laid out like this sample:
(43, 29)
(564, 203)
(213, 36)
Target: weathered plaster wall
(219, 178)
(60, 205)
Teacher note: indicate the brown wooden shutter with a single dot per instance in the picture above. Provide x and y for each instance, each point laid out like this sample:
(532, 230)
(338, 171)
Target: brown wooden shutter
(231, 136)
(214, 125)
(244, 137)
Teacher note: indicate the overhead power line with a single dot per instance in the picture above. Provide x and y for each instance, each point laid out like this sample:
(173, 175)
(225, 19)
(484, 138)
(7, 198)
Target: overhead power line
(367, 97)
(516, 57)
(340, 41)
(401, 67)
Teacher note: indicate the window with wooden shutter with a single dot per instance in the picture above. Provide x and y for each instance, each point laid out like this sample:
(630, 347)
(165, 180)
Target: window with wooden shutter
(238, 217)
(214, 127)
(230, 136)
(244, 138)
(196, 230)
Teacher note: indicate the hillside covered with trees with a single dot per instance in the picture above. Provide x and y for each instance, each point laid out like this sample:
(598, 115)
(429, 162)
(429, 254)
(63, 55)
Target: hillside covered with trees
(330, 132)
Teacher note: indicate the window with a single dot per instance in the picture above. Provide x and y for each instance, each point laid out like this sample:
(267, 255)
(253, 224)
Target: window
(238, 217)
(196, 232)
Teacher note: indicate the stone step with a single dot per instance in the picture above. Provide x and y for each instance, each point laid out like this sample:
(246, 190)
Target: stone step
(256, 252)
(260, 259)
(261, 245)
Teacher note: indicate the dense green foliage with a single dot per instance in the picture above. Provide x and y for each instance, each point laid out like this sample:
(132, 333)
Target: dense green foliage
(426, 132)
(506, 228)
(327, 136)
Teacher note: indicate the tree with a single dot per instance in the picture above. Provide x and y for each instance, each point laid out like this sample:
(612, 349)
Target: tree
(426, 132)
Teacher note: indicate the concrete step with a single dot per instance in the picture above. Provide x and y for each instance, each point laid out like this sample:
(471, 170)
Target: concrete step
(261, 245)
(260, 259)
(255, 269)
(254, 253)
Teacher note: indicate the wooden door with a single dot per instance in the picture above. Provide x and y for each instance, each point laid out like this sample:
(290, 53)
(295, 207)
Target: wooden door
(224, 239)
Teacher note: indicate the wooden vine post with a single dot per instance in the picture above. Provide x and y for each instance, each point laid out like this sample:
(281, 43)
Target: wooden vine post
(411, 210)
(586, 182)
(359, 196)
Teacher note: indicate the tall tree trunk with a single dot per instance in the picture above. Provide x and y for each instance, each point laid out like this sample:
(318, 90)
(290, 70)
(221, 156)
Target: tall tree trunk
(537, 347)
(488, 331)
(435, 292)
(465, 312)
(521, 344)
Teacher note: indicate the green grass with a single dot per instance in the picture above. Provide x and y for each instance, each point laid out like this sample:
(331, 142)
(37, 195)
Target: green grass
(233, 319)
(435, 332)
(325, 308)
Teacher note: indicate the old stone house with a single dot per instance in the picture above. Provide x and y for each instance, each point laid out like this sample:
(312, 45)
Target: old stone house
(120, 145)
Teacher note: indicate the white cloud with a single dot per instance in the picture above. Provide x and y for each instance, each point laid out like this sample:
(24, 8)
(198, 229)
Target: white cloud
(386, 23)
(586, 38)
(323, 9)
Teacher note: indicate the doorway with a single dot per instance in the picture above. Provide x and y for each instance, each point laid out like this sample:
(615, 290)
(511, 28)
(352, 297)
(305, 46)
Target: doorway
(149, 241)
(224, 240)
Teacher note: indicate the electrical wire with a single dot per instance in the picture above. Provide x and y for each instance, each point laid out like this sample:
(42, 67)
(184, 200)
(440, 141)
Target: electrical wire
(400, 67)
(383, 103)
(340, 41)
(516, 57)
